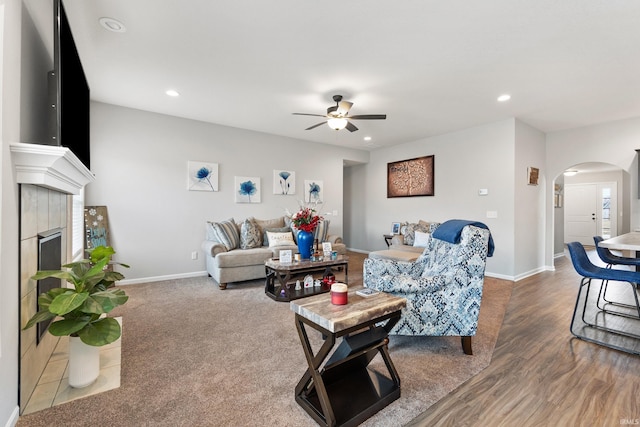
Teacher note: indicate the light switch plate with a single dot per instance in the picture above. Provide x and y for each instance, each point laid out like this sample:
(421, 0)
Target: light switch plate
(492, 214)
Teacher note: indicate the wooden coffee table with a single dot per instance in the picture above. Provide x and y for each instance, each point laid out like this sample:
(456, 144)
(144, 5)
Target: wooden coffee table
(342, 390)
(280, 280)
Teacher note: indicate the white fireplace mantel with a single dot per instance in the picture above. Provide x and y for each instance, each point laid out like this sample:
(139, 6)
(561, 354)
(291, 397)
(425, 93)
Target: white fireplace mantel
(56, 168)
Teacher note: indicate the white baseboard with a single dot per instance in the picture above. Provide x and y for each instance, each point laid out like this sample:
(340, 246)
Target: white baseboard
(161, 278)
(360, 251)
(13, 419)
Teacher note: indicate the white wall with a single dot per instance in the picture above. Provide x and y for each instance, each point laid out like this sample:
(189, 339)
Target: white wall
(140, 163)
(613, 142)
(465, 161)
(528, 217)
(10, 18)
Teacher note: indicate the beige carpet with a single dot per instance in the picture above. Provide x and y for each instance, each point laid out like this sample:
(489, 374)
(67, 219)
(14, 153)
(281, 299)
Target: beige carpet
(195, 355)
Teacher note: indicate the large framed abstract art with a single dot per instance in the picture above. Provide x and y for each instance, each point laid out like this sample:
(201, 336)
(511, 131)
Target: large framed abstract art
(409, 178)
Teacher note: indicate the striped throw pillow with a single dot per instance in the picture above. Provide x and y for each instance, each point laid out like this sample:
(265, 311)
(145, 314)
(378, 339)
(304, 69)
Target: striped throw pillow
(227, 234)
(322, 231)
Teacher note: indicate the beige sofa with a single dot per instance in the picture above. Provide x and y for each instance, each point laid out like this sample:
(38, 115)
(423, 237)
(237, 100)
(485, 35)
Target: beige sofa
(403, 246)
(241, 256)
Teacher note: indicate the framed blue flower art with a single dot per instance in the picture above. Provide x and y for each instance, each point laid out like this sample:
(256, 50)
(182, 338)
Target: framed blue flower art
(202, 176)
(247, 189)
(284, 182)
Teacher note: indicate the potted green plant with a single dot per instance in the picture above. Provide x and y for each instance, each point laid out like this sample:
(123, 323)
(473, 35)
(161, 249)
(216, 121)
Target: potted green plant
(82, 309)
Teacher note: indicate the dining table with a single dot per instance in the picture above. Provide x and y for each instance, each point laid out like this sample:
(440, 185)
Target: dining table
(624, 242)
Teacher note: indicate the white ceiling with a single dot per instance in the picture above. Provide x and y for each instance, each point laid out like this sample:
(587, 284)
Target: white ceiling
(432, 66)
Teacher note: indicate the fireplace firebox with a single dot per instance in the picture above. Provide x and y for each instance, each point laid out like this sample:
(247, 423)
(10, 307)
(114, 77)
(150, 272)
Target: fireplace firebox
(49, 258)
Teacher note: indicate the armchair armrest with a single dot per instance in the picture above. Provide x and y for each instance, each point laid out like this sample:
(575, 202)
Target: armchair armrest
(379, 273)
(405, 284)
(213, 248)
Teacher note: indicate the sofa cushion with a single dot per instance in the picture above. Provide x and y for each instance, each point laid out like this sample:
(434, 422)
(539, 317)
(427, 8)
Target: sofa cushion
(242, 258)
(270, 223)
(250, 234)
(408, 230)
(227, 233)
(265, 236)
(395, 255)
(279, 238)
(421, 239)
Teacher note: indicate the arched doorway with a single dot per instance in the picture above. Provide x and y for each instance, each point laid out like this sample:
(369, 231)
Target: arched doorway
(592, 201)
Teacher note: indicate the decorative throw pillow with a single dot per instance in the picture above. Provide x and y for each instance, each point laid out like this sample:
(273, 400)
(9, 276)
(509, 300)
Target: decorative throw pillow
(421, 239)
(250, 235)
(322, 231)
(409, 232)
(227, 234)
(265, 236)
(280, 238)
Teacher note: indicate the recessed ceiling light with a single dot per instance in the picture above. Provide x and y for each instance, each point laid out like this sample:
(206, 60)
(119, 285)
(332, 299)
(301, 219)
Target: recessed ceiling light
(367, 138)
(503, 98)
(112, 25)
(172, 92)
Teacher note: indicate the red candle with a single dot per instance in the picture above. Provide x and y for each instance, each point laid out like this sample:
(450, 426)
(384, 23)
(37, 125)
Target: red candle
(339, 294)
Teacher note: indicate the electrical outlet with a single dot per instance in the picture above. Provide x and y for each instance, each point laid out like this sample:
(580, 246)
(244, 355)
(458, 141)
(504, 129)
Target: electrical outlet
(194, 255)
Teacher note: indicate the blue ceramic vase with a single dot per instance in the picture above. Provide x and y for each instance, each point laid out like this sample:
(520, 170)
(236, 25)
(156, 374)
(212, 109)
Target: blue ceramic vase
(305, 244)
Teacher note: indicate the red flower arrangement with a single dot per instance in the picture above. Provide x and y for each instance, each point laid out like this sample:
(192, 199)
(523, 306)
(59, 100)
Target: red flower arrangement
(306, 219)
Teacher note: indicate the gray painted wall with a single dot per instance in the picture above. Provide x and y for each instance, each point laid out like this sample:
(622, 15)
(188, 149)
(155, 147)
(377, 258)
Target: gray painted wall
(614, 143)
(465, 161)
(140, 163)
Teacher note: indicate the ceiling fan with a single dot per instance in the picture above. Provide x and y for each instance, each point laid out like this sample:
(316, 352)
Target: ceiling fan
(338, 118)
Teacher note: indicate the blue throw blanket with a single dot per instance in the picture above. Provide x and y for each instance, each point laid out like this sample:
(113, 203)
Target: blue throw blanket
(450, 231)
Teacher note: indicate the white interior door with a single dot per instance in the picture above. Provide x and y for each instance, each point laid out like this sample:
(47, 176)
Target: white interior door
(580, 213)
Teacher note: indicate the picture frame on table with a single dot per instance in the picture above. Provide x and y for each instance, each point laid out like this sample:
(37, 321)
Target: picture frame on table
(395, 228)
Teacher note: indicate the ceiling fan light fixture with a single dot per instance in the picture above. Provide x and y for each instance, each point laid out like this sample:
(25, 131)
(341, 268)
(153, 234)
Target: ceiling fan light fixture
(337, 123)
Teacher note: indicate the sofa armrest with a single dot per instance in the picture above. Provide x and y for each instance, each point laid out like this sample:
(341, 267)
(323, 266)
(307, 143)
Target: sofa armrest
(334, 239)
(213, 248)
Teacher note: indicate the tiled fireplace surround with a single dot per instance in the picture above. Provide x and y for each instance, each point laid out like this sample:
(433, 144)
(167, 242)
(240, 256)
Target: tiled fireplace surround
(47, 176)
(41, 209)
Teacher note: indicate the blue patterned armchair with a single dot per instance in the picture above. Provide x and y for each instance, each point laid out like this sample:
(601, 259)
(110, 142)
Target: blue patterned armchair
(443, 287)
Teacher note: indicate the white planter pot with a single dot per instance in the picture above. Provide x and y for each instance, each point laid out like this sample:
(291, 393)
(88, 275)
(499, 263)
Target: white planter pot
(84, 363)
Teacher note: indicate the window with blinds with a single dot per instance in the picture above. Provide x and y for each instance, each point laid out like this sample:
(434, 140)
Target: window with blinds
(77, 241)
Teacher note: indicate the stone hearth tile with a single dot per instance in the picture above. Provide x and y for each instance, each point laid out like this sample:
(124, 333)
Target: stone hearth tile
(53, 372)
(42, 397)
(108, 379)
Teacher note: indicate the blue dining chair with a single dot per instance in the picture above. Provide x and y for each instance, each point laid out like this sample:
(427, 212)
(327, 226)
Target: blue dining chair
(610, 259)
(589, 271)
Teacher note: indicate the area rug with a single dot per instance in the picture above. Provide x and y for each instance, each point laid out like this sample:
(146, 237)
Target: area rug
(193, 354)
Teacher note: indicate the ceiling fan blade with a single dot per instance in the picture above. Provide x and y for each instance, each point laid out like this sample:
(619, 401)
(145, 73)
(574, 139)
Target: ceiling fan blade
(351, 127)
(344, 107)
(315, 126)
(369, 117)
(308, 114)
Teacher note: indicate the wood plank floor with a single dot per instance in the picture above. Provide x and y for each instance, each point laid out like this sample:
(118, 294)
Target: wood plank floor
(540, 375)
